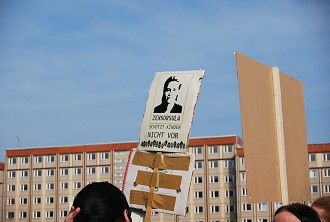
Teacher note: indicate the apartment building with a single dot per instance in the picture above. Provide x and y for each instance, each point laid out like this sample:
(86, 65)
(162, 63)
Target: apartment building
(40, 183)
(2, 168)
(319, 173)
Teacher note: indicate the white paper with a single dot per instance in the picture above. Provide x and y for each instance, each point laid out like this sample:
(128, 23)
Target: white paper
(169, 111)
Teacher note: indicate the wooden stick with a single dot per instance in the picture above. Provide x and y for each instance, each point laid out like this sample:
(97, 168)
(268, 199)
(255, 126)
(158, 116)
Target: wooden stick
(147, 217)
(280, 135)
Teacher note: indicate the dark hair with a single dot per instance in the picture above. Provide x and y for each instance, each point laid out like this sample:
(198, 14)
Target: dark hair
(303, 212)
(100, 202)
(323, 203)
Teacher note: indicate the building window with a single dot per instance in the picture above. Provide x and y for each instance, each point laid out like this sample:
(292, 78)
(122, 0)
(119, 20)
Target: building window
(49, 200)
(213, 149)
(63, 213)
(262, 206)
(198, 180)
(23, 201)
(11, 201)
(104, 170)
(214, 193)
(77, 157)
(50, 186)
(326, 172)
(49, 214)
(37, 200)
(24, 173)
(120, 153)
(312, 173)
(199, 165)
(77, 185)
(24, 160)
(64, 199)
(229, 178)
(24, 187)
(244, 191)
(105, 156)
(314, 189)
(92, 156)
(228, 164)
(228, 148)
(246, 207)
(230, 208)
(229, 193)
(37, 173)
(277, 205)
(262, 220)
(198, 194)
(10, 215)
(64, 158)
(197, 150)
(242, 161)
(12, 160)
(38, 159)
(326, 156)
(120, 167)
(120, 161)
(50, 172)
(11, 174)
(77, 171)
(91, 170)
(214, 164)
(243, 176)
(11, 187)
(51, 159)
(214, 179)
(64, 186)
(198, 209)
(36, 214)
(64, 172)
(215, 209)
(23, 214)
(37, 186)
(119, 174)
(312, 157)
(118, 181)
(326, 188)
(247, 220)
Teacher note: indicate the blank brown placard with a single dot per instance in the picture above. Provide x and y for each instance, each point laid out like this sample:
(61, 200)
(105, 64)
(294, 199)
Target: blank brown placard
(259, 130)
(294, 124)
(257, 101)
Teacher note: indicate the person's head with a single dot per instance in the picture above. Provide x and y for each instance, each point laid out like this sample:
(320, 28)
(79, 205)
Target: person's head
(101, 202)
(296, 213)
(322, 207)
(171, 90)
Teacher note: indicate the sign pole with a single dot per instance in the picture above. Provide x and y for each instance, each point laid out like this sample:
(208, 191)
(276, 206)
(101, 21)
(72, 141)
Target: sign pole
(153, 189)
(280, 135)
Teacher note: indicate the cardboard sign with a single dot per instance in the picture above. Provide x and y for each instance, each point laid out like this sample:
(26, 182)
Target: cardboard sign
(169, 111)
(262, 129)
(172, 181)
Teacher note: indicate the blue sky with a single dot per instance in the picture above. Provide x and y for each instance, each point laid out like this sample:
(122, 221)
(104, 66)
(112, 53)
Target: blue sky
(78, 72)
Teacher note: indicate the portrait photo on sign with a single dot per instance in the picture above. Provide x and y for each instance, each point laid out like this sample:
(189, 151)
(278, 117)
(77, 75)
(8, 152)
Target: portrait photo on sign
(169, 101)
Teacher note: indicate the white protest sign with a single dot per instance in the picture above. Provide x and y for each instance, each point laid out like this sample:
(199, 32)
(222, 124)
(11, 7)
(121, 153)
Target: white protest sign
(173, 185)
(169, 111)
